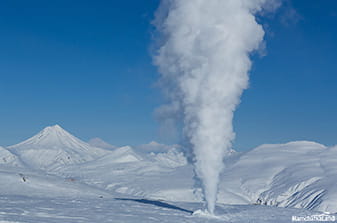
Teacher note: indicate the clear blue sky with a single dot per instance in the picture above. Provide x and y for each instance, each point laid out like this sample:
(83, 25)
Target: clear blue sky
(86, 65)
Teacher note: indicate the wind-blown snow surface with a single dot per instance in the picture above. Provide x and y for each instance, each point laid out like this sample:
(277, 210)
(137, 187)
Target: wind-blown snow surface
(83, 189)
(18, 209)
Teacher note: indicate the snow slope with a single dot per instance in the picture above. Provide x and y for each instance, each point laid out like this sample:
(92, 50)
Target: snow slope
(127, 172)
(297, 174)
(22, 182)
(54, 146)
(100, 143)
(171, 158)
(8, 158)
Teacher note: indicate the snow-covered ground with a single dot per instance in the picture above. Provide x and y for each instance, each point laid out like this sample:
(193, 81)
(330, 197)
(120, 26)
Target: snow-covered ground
(15, 209)
(56, 177)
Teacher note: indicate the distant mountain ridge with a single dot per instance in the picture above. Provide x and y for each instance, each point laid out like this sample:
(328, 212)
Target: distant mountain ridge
(100, 143)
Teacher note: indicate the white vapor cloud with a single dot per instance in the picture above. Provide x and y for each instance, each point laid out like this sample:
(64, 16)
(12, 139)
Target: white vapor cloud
(203, 59)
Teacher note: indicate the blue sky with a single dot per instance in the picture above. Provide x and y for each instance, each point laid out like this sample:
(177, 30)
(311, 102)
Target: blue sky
(86, 65)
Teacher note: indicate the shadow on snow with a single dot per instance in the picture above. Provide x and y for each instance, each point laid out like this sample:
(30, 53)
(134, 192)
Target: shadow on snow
(156, 203)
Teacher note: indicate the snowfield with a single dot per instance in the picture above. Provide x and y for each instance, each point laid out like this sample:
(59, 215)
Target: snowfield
(56, 177)
(15, 209)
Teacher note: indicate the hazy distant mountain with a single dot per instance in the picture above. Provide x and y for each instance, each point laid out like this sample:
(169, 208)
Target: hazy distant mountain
(156, 147)
(100, 143)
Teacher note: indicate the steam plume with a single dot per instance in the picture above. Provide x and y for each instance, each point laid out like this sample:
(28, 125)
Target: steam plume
(204, 62)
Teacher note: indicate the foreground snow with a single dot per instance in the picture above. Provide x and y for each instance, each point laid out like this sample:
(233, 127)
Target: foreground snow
(15, 209)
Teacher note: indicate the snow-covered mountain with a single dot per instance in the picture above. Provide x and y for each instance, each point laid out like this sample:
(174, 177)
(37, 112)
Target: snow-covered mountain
(295, 175)
(54, 146)
(155, 147)
(171, 158)
(130, 173)
(100, 143)
(123, 154)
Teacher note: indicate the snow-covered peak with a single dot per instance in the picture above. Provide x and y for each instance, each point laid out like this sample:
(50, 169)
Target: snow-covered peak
(123, 154)
(52, 136)
(54, 128)
(55, 146)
